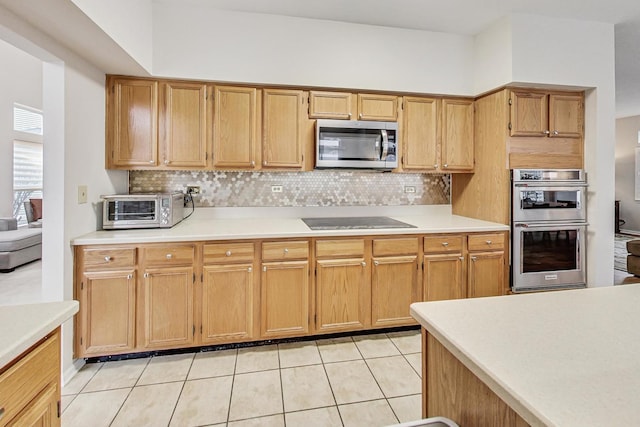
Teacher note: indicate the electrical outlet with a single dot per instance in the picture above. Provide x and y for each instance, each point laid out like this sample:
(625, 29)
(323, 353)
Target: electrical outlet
(276, 188)
(193, 189)
(409, 189)
(82, 194)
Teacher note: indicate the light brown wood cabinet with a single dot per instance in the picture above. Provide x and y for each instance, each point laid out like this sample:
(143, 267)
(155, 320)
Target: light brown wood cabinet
(487, 265)
(166, 296)
(229, 293)
(107, 291)
(555, 115)
(30, 386)
(444, 268)
(395, 283)
(132, 123)
(184, 122)
(283, 132)
(351, 106)
(343, 296)
(235, 129)
(284, 285)
(437, 135)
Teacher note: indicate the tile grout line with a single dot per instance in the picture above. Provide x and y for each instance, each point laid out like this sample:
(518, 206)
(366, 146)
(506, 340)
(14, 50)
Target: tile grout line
(184, 383)
(233, 381)
(128, 394)
(284, 418)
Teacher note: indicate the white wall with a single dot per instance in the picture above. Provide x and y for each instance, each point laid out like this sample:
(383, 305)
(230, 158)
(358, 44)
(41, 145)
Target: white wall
(74, 107)
(21, 82)
(578, 53)
(626, 144)
(492, 57)
(203, 43)
(128, 22)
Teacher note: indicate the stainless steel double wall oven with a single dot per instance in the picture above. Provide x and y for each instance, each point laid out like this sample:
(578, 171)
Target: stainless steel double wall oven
(548, 229)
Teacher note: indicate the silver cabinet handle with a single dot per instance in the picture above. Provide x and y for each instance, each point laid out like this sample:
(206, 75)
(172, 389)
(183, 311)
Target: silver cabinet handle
(376, 263)
(364, 264)
(166, 162)
(546, 132)
(360, 116)
(228, 253)
(145, 275)
(253, 163)
(461, 258)
(169, 256)
(555, 132)
(264, 268)
(489, 242)
(445, 244)
(250, 269)
(349, 115)
(129, 276)
(1, 412)
(286, 251)
(108, 258)
(264, 163)
(435, 166)
(473, 258)
(151, 162)
(446, 165)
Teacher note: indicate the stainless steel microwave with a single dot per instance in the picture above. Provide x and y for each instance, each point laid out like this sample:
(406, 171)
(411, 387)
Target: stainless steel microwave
(142, 211)
(356, 144)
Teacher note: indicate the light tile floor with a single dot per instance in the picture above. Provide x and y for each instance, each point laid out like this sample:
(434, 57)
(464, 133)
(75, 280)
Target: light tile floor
(371, 380)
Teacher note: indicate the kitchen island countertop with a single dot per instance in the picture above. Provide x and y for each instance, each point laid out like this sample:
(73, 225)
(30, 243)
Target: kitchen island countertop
(21, 326)
(565, 358)
(259, 223)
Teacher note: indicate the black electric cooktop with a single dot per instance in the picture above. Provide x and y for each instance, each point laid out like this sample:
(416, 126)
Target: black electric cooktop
(354, 223)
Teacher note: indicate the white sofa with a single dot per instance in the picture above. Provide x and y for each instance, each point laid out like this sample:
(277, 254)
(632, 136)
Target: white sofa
(18, 246)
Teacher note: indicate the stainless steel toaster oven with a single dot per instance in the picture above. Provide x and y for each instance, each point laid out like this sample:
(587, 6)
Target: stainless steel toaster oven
(142, 210)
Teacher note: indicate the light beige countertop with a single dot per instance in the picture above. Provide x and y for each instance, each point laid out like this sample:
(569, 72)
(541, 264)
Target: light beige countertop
(21, 326)
(566, 358)
(259, 223)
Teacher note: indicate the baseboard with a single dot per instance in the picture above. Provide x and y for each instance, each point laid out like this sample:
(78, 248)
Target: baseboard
(630, 232)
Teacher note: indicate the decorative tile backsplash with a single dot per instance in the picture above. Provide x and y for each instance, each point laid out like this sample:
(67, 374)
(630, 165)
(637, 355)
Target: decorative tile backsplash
(315, 188)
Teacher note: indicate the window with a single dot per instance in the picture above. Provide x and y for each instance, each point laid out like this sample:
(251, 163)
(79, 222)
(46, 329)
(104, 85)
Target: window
(27, 158)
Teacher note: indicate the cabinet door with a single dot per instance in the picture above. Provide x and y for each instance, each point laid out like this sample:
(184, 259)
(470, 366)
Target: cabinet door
(132, 123)
(284, 299)
(282, 131)
(443, 277)
(377, 107)
(486, 274)
(457, 135)
(342, 297)
(107, 312)
(330, 105)
(529, 114)
(566, 116)
(227, 303)
(183, 122)
(167, 313)
(235, 129)
(394, 286)
(40, 412)
(419, 134)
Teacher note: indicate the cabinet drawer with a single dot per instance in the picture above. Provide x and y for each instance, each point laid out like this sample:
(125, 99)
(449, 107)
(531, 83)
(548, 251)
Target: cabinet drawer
(272, 251)
(340, 248)
(442, 244)
(23, 381)
(486, 242)
(217, 253)
(169, 255)
(102, 258)
(404, 246)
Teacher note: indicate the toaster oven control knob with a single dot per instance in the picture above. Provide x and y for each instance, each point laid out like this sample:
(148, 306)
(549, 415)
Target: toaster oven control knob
(228, 253)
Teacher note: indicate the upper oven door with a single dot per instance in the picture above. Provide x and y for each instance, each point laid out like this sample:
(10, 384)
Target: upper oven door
(549, 202)
(356, 144)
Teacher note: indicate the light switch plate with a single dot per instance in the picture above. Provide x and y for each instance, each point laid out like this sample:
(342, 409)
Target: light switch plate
(82, 194)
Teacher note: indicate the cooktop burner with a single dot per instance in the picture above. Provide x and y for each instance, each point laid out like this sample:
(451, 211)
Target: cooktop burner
(354, 223)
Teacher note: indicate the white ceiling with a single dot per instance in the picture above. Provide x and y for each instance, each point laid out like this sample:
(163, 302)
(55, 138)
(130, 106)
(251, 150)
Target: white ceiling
(469, 17)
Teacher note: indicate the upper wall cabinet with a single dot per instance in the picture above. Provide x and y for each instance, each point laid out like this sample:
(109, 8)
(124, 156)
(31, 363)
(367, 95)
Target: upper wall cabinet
(235, 128)
(437, 135)
(132, 123)
(282, 128)
(349, 106)
(556, 115)
(183, 125)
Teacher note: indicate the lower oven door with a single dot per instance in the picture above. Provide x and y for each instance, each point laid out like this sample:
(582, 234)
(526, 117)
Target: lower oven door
(548, 256)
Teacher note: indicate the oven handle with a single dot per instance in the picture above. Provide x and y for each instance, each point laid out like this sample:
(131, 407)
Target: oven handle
(551, 224)
(540, 184)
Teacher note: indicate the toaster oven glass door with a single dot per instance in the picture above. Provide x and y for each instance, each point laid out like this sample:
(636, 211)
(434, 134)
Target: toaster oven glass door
(132, 210)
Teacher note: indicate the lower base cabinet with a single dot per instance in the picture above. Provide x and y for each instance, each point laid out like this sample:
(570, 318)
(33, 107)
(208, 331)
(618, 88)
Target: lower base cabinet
(443, 277)
(394, 287)
(284, 299)
(30, 388)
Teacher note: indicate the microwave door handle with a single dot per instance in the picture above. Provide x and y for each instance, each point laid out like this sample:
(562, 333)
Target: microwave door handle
(385, 144)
